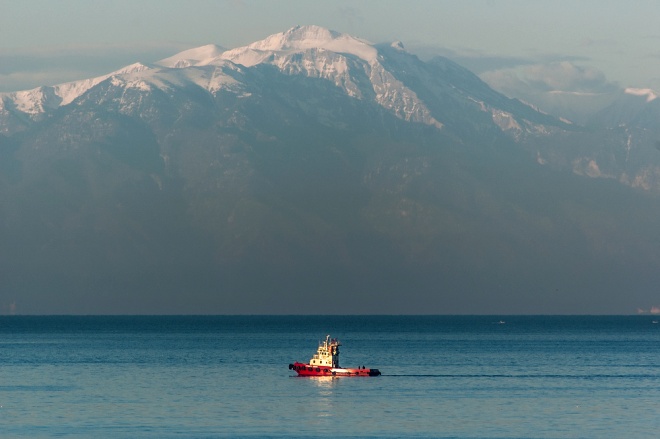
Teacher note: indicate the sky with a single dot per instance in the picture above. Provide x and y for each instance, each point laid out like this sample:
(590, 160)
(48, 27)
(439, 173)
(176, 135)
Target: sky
(518, 46)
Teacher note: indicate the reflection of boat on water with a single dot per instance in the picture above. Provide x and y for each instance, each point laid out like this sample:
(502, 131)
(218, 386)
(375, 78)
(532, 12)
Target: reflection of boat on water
(326, 363)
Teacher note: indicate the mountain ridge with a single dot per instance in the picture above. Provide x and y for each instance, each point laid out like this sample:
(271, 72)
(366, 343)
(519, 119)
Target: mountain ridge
(277, 49)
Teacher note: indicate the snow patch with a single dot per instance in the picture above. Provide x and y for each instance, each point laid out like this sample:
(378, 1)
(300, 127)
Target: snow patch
(71, 90)
(539, 159)
(643, 92)
(647, 178)
(506, 121)
(300, 39)
(35, 101)
(246, 56)
(191, 57)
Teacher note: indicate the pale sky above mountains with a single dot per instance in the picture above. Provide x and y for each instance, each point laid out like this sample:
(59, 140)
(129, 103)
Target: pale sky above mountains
(518, 46)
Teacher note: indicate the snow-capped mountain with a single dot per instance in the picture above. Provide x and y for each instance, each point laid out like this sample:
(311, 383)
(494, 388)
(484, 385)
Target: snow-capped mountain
(314, 161)
(439, 94)
(44, 99)
(414, 91)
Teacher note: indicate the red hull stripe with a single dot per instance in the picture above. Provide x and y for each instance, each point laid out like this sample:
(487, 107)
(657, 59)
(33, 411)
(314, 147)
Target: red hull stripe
(308, 370)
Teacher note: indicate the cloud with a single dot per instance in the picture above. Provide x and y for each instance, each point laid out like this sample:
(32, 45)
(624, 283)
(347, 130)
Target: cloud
(566, 76)
(563, 76)
(479, 61)
(474, 60)
(540, 73)
(562, 88)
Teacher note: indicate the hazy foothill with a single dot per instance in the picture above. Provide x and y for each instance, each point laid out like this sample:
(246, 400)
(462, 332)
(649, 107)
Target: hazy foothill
(315, 171)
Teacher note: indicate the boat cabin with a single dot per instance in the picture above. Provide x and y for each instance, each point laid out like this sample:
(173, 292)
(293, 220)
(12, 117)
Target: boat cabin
(327, 353)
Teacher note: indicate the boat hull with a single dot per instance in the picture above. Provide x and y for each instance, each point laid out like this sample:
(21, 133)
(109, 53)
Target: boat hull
(307, 370)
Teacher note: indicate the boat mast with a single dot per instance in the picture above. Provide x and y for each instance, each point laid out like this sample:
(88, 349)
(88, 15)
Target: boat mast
(333, 346)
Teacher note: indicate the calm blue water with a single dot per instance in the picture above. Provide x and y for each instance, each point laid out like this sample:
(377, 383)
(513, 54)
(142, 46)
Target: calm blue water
(446, 377)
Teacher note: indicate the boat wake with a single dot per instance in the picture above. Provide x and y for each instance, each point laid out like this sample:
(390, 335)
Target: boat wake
(523, 376)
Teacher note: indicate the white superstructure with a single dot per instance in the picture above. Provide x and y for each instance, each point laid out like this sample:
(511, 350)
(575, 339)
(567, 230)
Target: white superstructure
(327, 354)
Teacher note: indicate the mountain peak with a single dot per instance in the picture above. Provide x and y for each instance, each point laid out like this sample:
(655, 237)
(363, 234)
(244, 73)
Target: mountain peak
(300, 39)
(190, 57)
(133, 68)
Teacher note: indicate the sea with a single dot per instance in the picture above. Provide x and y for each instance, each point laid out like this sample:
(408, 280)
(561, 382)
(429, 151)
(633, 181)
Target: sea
(228, 377)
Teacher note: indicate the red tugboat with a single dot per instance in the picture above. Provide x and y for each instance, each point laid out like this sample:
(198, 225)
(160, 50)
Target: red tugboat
(326, 363)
